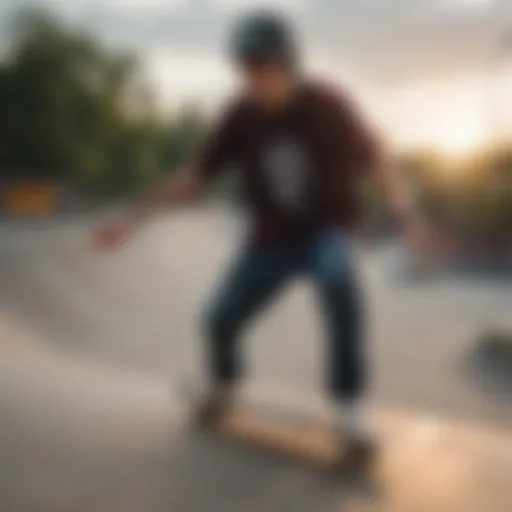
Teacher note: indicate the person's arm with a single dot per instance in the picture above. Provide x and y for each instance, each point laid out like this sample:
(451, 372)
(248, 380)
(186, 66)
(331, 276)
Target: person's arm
(182, 187)
(356, 144)
(369, 154)
(394, 187)
(417, 230)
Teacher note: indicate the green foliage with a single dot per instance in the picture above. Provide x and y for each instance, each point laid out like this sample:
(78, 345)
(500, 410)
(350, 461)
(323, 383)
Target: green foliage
(182, 137)
(72, 111)
(472, 196)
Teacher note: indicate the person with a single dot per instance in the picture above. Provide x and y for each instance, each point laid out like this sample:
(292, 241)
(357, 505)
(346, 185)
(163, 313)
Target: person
(301, 149)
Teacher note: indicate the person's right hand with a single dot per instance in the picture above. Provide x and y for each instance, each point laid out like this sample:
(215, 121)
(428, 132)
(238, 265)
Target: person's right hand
(111, 235)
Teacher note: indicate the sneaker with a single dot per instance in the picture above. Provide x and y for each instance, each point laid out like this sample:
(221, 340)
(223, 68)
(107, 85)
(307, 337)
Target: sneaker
(355, 442)
(212, 408)
(359, 448)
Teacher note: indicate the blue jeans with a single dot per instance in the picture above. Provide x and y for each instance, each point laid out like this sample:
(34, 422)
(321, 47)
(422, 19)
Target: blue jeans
(256, 278)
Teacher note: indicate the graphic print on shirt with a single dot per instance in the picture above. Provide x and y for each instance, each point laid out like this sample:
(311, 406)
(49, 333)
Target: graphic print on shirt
(287, 172)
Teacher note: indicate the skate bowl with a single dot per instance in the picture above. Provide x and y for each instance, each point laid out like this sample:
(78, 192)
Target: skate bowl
(79, 435)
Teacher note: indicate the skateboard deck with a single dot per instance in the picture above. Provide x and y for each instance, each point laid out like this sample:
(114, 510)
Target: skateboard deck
(295, 435)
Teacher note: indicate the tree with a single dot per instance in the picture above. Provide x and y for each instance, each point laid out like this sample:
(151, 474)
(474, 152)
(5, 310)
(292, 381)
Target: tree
(64, 114)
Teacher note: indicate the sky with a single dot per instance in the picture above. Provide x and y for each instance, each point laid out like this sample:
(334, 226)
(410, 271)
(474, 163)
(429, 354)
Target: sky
(426, 71)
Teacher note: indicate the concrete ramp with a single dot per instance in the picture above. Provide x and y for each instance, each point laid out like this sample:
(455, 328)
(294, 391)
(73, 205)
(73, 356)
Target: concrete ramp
(79, 436)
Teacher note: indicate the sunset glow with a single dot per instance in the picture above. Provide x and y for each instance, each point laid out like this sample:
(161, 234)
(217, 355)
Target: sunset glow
(461, 135)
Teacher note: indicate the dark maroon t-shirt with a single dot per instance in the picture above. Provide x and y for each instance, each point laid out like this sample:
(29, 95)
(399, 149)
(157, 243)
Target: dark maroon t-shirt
(300, 168)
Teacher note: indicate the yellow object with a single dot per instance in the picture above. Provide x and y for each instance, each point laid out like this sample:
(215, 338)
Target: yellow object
(31, 200)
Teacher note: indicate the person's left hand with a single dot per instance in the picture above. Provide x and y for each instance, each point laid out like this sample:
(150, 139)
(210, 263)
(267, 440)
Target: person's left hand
(423, 236)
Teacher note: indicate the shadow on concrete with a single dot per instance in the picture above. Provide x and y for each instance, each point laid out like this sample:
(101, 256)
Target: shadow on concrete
(489, 364)
(199, 473)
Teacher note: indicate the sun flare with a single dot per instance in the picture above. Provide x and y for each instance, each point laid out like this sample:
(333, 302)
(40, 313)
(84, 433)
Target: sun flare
(460, 135)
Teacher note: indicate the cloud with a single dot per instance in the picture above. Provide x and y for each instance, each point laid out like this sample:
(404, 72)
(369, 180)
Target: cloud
(472, 4)
(388, 40)
(401, 54)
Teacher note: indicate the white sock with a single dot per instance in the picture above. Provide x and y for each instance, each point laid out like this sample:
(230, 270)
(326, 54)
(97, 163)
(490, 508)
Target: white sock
(350, 417)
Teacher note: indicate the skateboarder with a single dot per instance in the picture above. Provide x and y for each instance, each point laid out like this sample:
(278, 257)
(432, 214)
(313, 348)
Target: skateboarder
(301, 149)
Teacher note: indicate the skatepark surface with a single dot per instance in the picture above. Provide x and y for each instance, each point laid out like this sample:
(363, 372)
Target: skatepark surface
(91, 421)
(82, 437)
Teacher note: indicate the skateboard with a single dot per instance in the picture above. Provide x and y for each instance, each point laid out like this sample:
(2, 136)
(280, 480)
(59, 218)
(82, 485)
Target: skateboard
(291, 434)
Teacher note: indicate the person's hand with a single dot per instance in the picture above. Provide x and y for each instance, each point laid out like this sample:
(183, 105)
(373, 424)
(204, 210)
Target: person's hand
(423, 236)
(111, 235)
(417, 234)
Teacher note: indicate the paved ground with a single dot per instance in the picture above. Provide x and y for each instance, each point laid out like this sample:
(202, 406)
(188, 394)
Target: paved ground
(90, 344)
